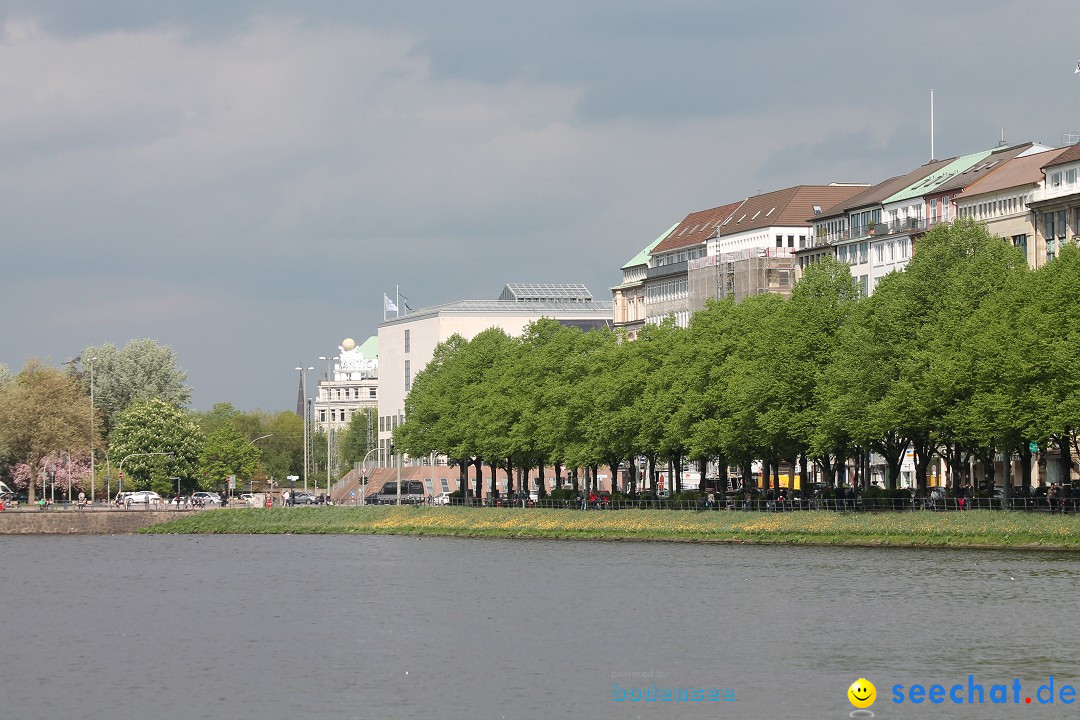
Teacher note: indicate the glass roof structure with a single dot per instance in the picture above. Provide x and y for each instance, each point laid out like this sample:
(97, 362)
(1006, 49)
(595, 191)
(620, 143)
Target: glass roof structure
(540, 292)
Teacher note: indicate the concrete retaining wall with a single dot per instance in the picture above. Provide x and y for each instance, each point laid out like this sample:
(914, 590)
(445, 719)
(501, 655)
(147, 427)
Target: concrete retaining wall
(82, 522)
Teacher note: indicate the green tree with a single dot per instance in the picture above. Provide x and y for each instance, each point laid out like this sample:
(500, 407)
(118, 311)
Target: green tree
(143, 369)
(157, 426)
(41, 411)
(360, 437)
(225, 452)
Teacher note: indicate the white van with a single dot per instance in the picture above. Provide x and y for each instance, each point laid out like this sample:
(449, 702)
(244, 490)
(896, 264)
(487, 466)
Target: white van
(4, 489)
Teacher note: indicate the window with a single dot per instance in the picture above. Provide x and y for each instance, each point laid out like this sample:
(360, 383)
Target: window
(1048, 230)
(322, 416)
(1070, 177)
(371, 392)
(802, 242)
(791, 241)
(1061, 224)
(445, 485)
(864, 285)
(879, 254)
(864, 251)
(1055, 179)
(779, 241)
(1049, 249)
(382, 423)
(408, 376)
(408, 340)
(1020, 241)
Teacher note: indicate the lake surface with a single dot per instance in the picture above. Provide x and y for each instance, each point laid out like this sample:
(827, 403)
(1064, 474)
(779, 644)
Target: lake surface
(285, 627)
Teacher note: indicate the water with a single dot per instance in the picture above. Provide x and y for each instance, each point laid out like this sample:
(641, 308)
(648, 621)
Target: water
(290, 627)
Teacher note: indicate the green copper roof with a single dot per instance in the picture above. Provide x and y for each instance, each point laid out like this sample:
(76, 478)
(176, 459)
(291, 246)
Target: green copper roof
(935, 180)
(642, 258)
(370, 348)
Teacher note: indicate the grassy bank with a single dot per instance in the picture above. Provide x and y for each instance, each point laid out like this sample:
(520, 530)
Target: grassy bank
(915, 529)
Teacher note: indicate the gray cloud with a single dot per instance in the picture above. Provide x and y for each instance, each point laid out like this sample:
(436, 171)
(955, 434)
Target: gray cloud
(242, 181)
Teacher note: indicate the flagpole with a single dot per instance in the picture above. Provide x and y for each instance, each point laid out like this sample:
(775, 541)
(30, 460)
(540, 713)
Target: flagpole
(397, 305)
(384, 307)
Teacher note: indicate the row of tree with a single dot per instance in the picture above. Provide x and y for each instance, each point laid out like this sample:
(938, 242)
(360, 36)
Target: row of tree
(47, 428)
(964, 355)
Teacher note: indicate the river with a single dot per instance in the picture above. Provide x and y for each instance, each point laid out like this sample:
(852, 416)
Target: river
(284, 627)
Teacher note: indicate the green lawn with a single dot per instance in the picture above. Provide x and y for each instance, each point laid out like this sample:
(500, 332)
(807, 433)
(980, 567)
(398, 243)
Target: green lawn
(955, 529)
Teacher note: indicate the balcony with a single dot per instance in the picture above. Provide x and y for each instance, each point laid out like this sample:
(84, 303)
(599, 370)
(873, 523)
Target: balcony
(678, 268)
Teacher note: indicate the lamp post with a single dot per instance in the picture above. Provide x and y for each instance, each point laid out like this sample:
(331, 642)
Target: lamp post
(67, 464)
(303, 390)
(398, 466)
(90, 363)
(363, 465)
(328, 428)
(261, 437)
(128, 457)
(177, 479)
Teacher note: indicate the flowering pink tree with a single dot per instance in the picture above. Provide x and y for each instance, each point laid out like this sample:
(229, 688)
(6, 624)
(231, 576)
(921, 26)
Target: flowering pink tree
(56, 465)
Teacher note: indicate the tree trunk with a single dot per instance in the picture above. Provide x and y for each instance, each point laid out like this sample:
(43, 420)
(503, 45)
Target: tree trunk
(765, 468)
(803, 475)
(463, 476)
(1025, 469)
(703, 469)
(541, 492)
(509, 478)
(574, 479)
(478, 484)
(558, 476)
(722, 473)
(1066, 464)
(924, 453)
(494, 491)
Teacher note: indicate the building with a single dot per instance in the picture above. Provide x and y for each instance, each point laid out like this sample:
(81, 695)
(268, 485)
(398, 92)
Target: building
(407, 343)
(1001, 201)
(735, 250)
(628, 299)
(1056, 204)
(351, 386)
(874, 232)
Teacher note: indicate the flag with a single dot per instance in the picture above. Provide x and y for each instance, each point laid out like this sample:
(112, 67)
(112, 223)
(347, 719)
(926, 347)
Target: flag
(1077, 70)
(388, 304)
(405, 301)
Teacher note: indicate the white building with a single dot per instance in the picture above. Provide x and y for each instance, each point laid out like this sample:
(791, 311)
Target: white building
(352, 386)
(407, 343)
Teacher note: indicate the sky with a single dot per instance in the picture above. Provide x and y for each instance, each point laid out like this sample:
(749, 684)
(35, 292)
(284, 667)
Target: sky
(243, 181)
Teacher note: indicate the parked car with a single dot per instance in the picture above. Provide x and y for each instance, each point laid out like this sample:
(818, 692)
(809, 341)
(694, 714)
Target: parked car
(442, 498)
(206, 498)
(142, 498)
(303, 498)
(412, 493)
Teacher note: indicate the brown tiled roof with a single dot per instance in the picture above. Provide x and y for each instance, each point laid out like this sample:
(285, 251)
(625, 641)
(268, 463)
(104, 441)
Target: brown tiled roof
(791, 206)
(884, 189)
(1069, 154)
(1015, 173)
(696, 228)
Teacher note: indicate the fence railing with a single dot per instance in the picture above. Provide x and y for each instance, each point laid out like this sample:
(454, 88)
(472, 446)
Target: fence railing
(763, 504)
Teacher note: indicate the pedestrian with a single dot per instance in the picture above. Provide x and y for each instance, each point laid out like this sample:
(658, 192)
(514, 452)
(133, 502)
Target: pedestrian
(710, 502)
(285, 499)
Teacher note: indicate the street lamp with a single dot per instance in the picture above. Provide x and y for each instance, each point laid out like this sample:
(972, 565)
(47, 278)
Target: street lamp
(121, 486)
(303, 390)
(261, 437)
(90, 363)
(328, 429)
(398, 465)
(364, 476)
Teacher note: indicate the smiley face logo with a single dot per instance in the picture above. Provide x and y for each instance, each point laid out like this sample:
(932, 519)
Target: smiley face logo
(862, 693)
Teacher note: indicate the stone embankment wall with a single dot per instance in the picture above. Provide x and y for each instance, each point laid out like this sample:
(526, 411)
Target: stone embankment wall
(82, 522)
